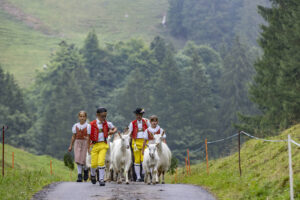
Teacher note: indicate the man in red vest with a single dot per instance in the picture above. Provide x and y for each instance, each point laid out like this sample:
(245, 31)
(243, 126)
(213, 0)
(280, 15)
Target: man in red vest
(100, 129)
(137, 128)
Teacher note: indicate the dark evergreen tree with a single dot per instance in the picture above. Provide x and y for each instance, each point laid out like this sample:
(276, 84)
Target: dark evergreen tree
(275, 89)
(13, 109)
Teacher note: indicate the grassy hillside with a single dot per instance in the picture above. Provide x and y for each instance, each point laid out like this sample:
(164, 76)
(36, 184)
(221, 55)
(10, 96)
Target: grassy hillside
(30, 174)
(264, 167)
(31, 29)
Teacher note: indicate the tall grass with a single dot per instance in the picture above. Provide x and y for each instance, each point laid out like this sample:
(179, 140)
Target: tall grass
(265, 172)
(30, 174)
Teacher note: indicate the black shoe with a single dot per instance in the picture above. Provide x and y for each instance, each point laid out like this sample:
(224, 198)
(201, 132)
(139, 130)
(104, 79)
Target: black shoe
(79, 179)
(85, 175)
(93, 179)
(101, 183)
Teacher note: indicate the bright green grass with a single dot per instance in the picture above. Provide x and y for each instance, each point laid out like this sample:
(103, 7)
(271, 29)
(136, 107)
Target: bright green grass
(24, 50)
(265, 172)
(30, 174)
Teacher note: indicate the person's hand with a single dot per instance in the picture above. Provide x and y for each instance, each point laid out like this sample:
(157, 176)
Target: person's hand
(70, 148)
(135, 147)
(110, 132)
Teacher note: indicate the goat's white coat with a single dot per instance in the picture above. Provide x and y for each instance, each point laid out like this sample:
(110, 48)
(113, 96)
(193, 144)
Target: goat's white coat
(121, 157)
(164, 161)
(150, 163)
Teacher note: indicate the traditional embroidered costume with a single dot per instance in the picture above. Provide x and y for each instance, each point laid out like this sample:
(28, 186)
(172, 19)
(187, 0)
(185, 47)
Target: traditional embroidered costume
(137, 128)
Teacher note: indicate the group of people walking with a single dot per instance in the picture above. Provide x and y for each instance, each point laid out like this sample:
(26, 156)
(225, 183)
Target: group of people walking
(92, 138)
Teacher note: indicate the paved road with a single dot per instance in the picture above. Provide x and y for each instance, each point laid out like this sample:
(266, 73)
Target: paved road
(113, 191)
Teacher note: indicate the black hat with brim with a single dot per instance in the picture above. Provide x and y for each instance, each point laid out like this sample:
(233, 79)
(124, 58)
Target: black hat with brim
(101, 110)
(139, 111)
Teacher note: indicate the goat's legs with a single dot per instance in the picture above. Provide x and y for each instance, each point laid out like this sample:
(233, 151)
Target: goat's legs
(119, 177)
(158, 177)
(126, 174)
(154, 176)
(163, 178)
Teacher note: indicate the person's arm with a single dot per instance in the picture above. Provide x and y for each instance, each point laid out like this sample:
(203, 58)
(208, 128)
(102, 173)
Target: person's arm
(89, 143)
(164, 136)
(112, 131)
(72, 142)
(112, 128)
(143, 148)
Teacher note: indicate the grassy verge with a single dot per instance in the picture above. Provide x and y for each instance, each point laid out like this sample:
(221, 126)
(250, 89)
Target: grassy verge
(265, 172)
(30, 173)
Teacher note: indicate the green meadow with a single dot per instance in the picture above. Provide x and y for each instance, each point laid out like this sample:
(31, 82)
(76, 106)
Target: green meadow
(265, 172)
(30, 173)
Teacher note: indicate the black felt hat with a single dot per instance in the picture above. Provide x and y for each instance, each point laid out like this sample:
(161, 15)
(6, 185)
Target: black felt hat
(101, 110)
(139, 111)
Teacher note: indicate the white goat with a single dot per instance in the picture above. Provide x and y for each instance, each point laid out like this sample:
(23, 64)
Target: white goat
(150, 163)
(165, 155)
(121, 157)
(108, 160)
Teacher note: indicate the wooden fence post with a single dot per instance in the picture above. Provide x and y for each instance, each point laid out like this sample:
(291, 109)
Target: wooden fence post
(207, 169)
(188, 154)
(176, 176)
(51, 167)
(186, 166)
(239, 146)
(3, 151)
(13, 160)
(290, 169)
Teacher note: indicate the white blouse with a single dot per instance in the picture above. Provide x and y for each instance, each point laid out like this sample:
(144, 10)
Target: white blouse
(81, 127)
(153, 131)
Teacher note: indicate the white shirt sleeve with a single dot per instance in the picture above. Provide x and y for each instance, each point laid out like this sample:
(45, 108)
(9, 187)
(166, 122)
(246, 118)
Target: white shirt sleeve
(110, 125)
(148, 123)
(130, 127)
(88, 129)
(146, 134)
(74, 129)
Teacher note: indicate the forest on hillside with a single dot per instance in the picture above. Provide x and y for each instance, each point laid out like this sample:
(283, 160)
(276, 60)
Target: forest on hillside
(214, 86)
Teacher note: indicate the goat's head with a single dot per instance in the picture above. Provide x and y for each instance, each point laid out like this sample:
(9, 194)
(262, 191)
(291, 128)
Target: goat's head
(152, 149)
(125, 140)
(158, 138)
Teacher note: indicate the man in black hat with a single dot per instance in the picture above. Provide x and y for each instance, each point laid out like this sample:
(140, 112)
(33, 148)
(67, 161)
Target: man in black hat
(137, 128)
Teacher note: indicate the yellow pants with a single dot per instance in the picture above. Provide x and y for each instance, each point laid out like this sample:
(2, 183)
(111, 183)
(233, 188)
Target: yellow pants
(98, 154)
(138, 157)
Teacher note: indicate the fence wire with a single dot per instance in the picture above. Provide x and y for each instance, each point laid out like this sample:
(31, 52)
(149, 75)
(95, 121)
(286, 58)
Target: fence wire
(247, 134)
(295, 143)
(211, 142)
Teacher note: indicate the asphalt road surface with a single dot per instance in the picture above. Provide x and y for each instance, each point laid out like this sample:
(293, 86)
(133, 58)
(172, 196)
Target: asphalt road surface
(113, 191)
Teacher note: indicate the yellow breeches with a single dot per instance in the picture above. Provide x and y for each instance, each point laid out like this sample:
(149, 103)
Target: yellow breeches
(98, 154)
(138, 157)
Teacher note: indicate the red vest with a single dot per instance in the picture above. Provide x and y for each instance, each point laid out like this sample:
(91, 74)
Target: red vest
(80, 134)
(135, 129)
(150, 135)
(95, 131)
